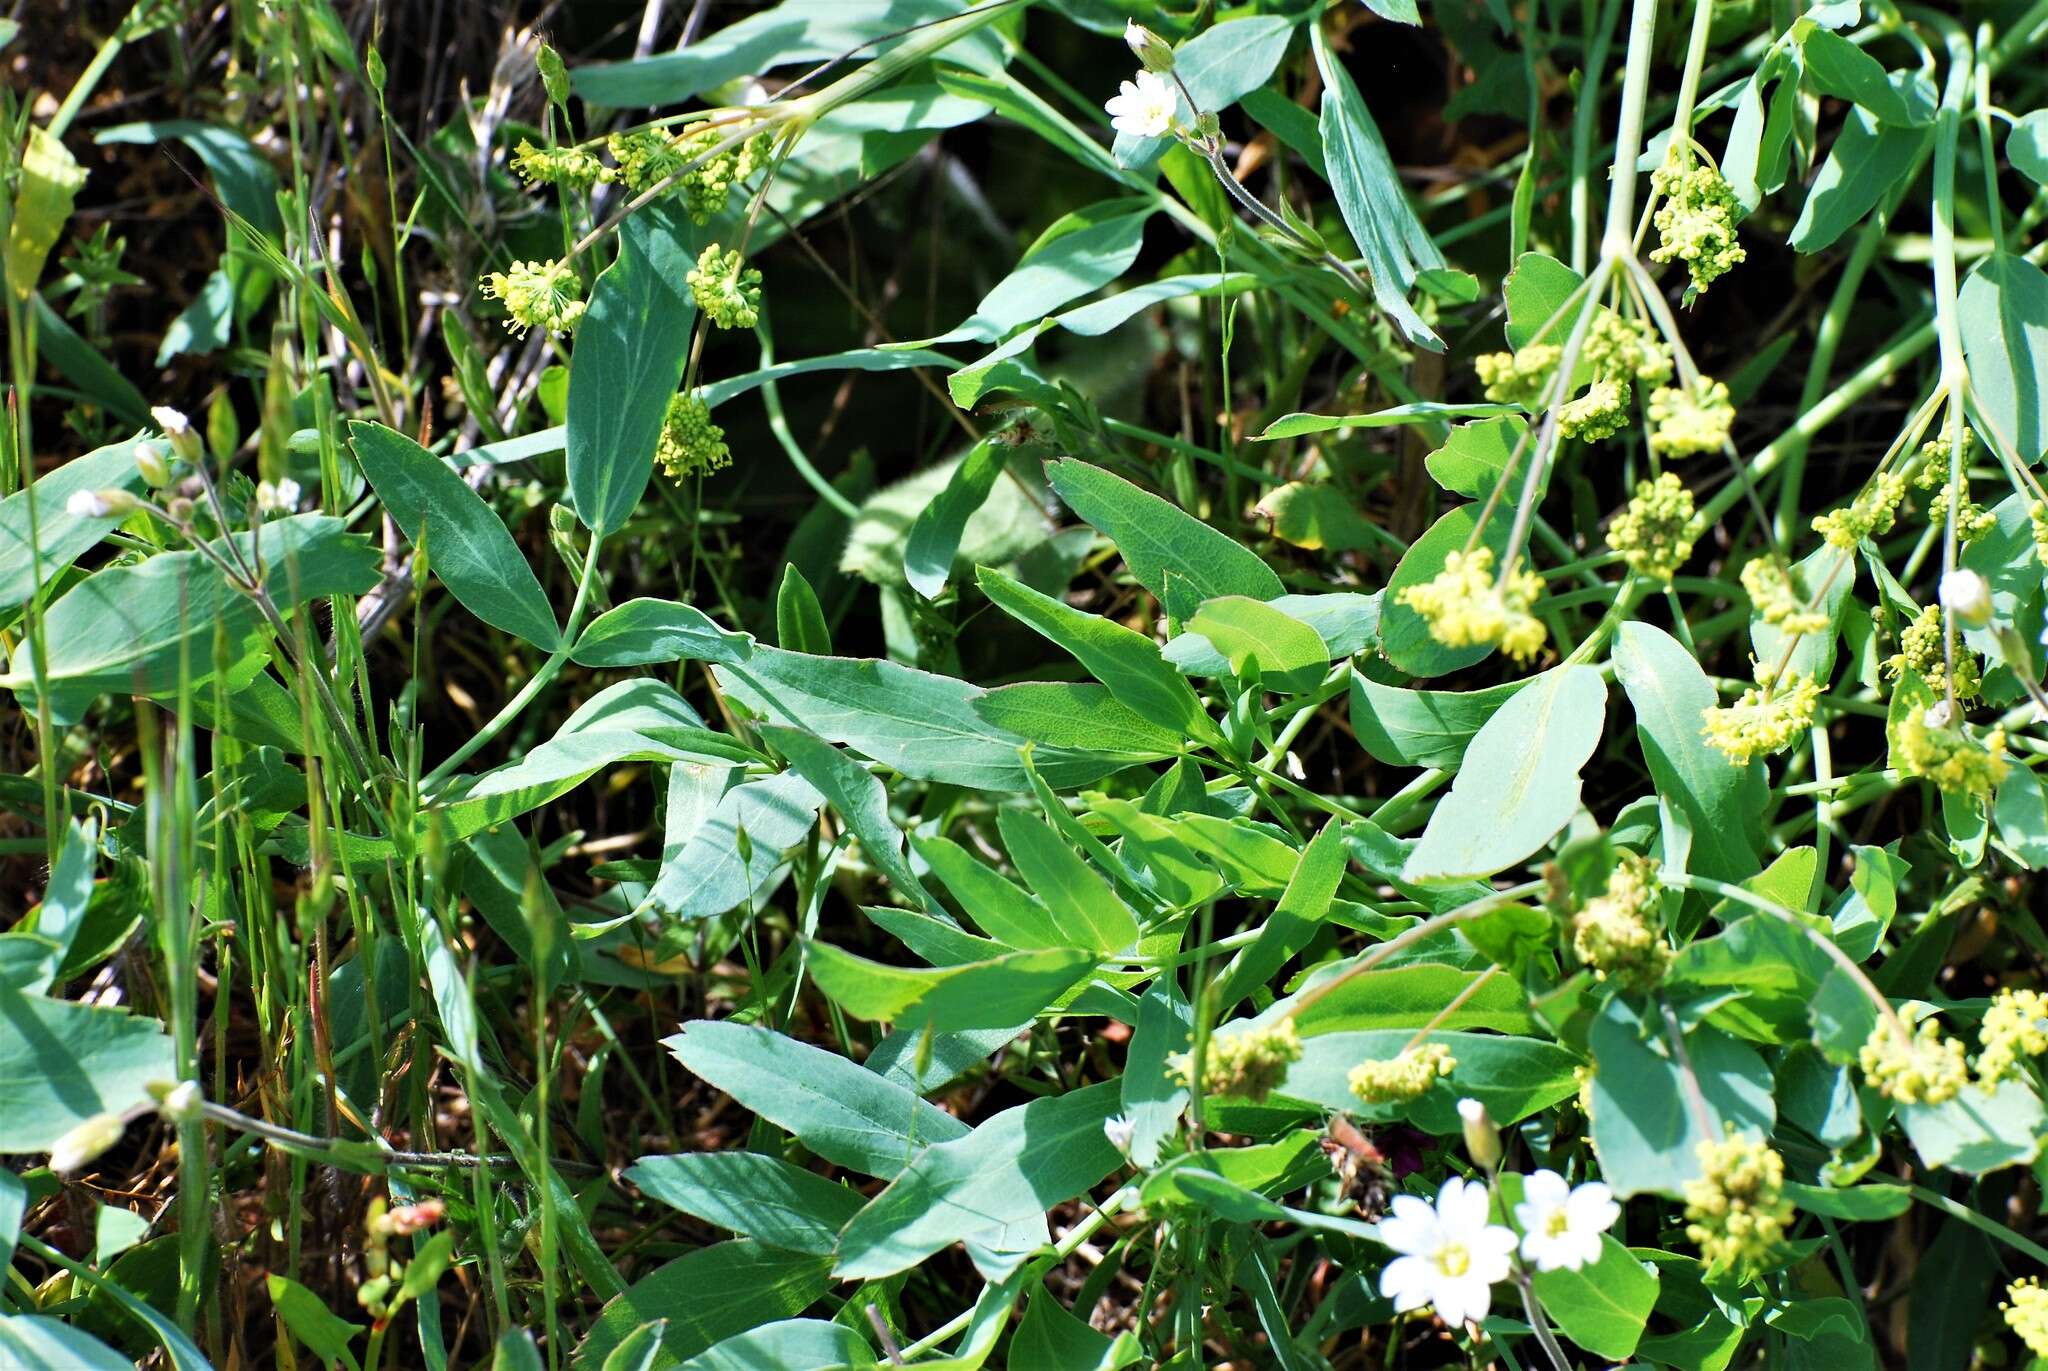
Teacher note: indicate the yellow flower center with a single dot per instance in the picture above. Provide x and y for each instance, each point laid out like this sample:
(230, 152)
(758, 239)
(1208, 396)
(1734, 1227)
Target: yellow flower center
(1454, 1260)
(1558, 1224)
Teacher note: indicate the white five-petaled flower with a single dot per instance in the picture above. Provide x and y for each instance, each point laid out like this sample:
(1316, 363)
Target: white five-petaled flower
(1144, 108)
(1562, 1223)
(1450, 1255)
(1119, 1129)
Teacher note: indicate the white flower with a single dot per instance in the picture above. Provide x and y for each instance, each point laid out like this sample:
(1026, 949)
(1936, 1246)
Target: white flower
(87, 504)
(1562, 1224)
(282, 496)
(1144, 108)
(1451, 1255)
(1119, 1130)
(1967, 595)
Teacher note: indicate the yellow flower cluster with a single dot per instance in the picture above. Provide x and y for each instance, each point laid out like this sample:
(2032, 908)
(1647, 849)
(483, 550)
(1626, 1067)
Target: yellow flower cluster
(1405, 1076)
(1696, 222)
(1767, 719)
(648, 157)
(1655, 534)
(1973, 521)
(542, 295)
(1777, 600)
(1934, 455)
(1925, 1068)
(1874, 511)
(1464, 607)
(1518, 378)
(2037, 517)
(2026, 1313)
(1737, 1210)
(1626, 349)
(1921, 650)
(2015, 1026)
(1942, 753)
(1246, 1065)
(729, 294)
(690, 443)
(1692, 419)
(1600, 413)
(1614, 932)
(576, 168)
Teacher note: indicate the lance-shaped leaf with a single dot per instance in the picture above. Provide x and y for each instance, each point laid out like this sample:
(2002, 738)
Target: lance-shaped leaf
(1156, 537)
(61, 536)
(858, 798)
(999, 993)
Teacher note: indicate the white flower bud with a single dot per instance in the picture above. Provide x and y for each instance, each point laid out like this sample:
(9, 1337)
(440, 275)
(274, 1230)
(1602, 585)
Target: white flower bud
(1152, 51)
(149, 460)
(1482, 1138)
(179, 1104)
(101, 504)
(1967, 595)
(185, 440)
(86, 1142)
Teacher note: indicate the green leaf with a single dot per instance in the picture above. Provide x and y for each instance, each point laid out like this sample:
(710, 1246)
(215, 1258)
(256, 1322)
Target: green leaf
(858, 797)
(516, 1352)
(934, 540)
(641, 1350)
(799, 618)
(1822, 573)
(1004, 912)
(1603, 1307)
(31, 1340)
(1513, 1077)
(1867, 162)
(707, 1296)
(1000, 993)
(1836, 66)
(1156, 537)
(1404, 636)
(1418, 412)
(1471, 460)
(63, 1063)
(62, 536)
(1536, 293)
(753, 1195)
(2021, 813)
(1082, 905)
(1375, 208)
(1979, 1131)
(2026, 147)
(1499, 813)
(1409, 997)
(1014, 1167)
(1004, 526)
(247, 184)
(467, 544)
(1126, 661)
(1081, 251)
(1295, 919)
(149, 628)
(1153, 1094)
(1318, 515)
(1421, 727)
(1854, 1204)
(630, 349)
(1050, 1336)
(1719, 803)
(81, 363)
(645, 632)
(788, 1345)
(849, 1116)
(920, 725)
(309, 1319)
(49, 180)
(714, 872)
(1219, 66)
(1645, 1128)
(1291, 656)
(2003, 312)
(1081, 715)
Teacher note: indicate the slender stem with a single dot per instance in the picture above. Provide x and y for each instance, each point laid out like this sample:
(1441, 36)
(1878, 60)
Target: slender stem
(1540, 1323)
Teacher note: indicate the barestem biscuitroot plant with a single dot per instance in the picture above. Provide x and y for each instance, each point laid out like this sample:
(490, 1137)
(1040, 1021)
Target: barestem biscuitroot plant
(1284, 836)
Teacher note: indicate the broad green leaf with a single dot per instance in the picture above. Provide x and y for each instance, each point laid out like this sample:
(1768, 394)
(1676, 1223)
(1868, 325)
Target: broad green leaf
(467, 544)
(49, 180)
(1404, 637)
(858, 797)
(1978, 1130)
(715, 872)
(939, 941)
(788, 1345)
(1291, 656)
(61, 536)
(247, 183)
(1153, 1092)
(32, 1340)
(63, 1063)
(54, 924)
(1295, 919)
(1080, 715)
(1500, 812)
(1470, 461)
(1821, 573)
(1004, 912)
(1408, 997)
(2026, 147)
(145, 628)
(628, 358)
(753, 1195)
(644, 632)
(1219, 66)
(641, 1350)
(1513, 1077)
(2003, 311)
(1012, 1168)
(1369, 194)
(80, 362)
(1050, 1336)
(516, 1352)
(1083, 907)
(920, 725)
(2021, 813)
(1318, 515)
(1002, 527)
(1418, 412)
(1836, 66)
(1126, 661)
(1082, 251)
(1855, 1203)
(934, 539)
(1536, 292)
(1421, 727)
(508, 888)
(707, 1296)
(1000, 993)
(1720, 803)
(847, 1115)
(1645, 1125)
(1156, 537)
(1867, 162)
(1603, 1307)
(310, 1321)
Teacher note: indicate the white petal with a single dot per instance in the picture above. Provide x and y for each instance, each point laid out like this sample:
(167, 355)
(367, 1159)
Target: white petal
(1540, 1250)
(1592, 1207)
(1579, 1249)
(1463, 1299)
(1461, 1205)
(1546, 1188)
(1409, 1282)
